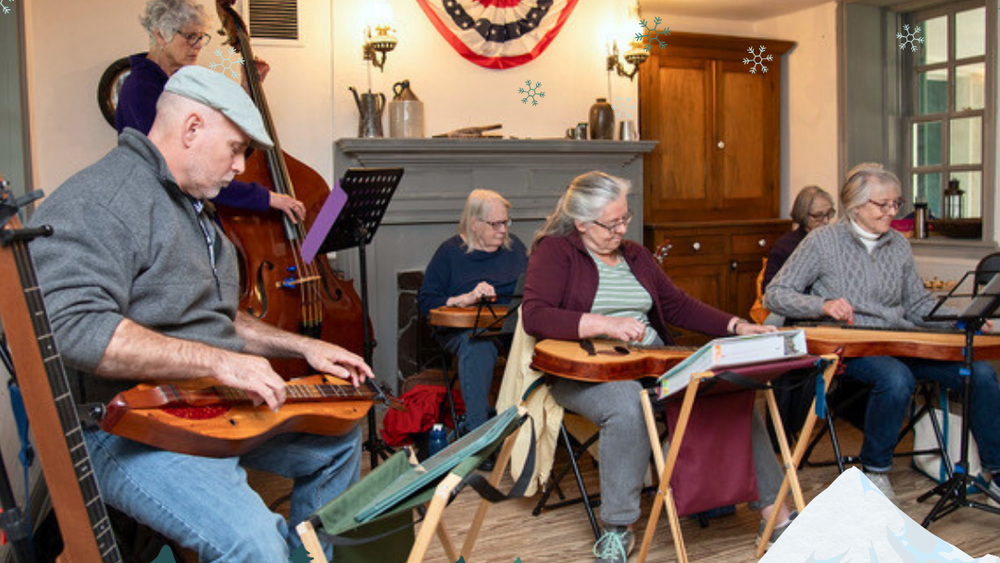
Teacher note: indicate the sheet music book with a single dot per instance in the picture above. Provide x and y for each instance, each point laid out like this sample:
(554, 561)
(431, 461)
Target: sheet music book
(732, 351)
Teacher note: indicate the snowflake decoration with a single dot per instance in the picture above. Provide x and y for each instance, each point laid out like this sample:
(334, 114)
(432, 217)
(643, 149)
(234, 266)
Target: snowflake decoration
(652, 34)
(758, 59)
(6, 9)
(531, 93)
(227, 63)
(624, 110)
(910, 38)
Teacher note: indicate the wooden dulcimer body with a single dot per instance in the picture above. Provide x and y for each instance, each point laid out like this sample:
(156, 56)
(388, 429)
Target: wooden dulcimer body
(605, 360)
(199, 417)
(860, 342)
(468, 317)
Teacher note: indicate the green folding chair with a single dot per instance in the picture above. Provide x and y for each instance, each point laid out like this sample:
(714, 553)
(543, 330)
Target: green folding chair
(376, 513)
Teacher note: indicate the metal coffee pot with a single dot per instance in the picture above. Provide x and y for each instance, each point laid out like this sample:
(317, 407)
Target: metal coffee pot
(370, 108)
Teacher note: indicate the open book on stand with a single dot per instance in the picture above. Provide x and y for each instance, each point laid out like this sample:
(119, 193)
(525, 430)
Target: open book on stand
(733, 351)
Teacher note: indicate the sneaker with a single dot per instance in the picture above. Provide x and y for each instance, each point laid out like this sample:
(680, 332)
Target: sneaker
(995, 489)
(615, 545)
(881, 481)
(777, 529)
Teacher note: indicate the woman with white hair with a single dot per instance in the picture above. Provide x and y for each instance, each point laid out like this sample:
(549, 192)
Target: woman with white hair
(482, 261)
(177, 34)
(860, 271)
(585, 280)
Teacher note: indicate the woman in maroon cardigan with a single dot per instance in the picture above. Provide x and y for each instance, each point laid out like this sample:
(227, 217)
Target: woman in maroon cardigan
(584, 280)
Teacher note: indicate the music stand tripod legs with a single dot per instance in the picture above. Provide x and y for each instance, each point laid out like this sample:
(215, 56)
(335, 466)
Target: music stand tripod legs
(954, 491)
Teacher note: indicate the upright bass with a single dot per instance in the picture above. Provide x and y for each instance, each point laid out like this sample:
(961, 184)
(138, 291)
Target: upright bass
(277, 286)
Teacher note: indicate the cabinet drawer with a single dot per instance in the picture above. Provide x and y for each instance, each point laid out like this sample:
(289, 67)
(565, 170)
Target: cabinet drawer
(758, 244)
(709, 245)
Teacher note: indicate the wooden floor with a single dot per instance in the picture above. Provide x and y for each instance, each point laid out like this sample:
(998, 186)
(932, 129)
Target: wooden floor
(564, 535)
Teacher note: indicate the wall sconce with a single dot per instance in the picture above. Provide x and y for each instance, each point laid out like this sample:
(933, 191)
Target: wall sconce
(635, 56)
(378, 45)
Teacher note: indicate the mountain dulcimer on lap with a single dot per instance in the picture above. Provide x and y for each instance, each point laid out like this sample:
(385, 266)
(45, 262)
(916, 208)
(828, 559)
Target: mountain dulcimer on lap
(468, 317)
(860, 342)
(605, 360)
(200, 417)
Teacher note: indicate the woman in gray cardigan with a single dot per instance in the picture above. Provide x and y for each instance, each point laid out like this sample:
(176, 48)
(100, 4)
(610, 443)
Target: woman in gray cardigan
(861, 271)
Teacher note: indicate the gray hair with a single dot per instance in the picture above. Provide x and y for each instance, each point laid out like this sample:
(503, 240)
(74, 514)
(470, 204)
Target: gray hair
(585, 198)
(477, 206)
(861, 179)
(169, 16)
(803, 203)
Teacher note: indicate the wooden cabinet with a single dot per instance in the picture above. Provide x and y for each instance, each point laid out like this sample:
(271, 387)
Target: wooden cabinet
(716, 262)
(712, 185)
(718, 127)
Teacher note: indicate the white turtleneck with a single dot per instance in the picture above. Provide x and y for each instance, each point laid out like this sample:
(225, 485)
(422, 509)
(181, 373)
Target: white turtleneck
(868, 239)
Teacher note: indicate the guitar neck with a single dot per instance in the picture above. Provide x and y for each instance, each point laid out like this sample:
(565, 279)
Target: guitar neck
(76, 498)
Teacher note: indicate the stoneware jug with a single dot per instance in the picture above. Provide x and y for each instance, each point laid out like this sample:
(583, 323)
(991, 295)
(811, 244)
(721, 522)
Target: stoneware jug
(370, 108)
(406, 113)
(602, 120)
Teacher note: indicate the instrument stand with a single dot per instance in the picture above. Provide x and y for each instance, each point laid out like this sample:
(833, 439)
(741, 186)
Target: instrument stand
(369, 191)
(954, 491)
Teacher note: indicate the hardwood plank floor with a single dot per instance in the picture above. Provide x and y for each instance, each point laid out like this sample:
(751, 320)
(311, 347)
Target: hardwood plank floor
(564, 535)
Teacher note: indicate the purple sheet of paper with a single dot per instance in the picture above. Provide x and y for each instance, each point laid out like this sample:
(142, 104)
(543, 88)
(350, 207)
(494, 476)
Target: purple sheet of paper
(332, 207)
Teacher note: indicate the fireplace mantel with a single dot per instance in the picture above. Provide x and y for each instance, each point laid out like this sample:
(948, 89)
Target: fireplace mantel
(438, 175)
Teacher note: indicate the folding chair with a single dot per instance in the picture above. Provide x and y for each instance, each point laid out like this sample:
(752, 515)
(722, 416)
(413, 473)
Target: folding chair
(574, 449)
(388, 495)
(733, 379)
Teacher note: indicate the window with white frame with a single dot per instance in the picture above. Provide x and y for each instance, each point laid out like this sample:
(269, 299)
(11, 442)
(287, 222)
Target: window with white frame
(947, 113)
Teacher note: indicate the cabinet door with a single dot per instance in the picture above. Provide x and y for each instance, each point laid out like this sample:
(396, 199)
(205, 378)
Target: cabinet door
(676, 109)
(743, 287)
(705, 282)
(747, 144)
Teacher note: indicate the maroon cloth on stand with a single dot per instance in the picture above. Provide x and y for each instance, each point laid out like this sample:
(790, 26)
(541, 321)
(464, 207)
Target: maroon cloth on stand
(715, 465)
(425, 406)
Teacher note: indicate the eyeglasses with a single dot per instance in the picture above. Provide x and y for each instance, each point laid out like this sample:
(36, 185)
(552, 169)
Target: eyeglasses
(497, 224)
(193, 39)
(822, 216)
(885, 206)
(623, 222)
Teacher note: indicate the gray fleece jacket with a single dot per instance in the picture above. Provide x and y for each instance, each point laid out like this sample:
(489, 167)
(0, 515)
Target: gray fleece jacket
(128, 244)
(883, 286)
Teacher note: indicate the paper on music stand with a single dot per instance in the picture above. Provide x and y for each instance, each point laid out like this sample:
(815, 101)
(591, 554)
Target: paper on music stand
(331, 209)
(733, 351)
(852, 521)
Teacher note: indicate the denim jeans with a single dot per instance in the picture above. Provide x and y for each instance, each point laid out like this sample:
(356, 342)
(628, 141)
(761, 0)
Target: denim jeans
(476, 359)
(205, 504)
(894, 380)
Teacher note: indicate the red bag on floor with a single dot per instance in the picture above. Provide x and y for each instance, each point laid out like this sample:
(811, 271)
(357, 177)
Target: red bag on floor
(425, 406)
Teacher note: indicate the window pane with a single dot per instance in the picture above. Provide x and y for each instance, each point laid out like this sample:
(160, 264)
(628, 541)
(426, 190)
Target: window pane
(927, 187)
(935, 46)
(966, 140)
(932, 92)
(970, 33)
(970, 85)
(927, 143)
(971, 184)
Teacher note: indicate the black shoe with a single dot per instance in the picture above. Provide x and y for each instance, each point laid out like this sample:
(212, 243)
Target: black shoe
(489, 463)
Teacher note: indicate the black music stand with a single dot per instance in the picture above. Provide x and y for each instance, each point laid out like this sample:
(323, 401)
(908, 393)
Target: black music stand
(368, 193)
(954, 491)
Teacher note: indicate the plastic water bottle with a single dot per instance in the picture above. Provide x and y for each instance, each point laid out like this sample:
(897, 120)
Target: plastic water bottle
(437, 439)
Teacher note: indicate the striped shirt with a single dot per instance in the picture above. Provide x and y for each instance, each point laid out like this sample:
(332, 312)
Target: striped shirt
(619, 294)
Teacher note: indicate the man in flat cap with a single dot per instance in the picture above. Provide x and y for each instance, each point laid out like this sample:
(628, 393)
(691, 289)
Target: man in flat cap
(141, 285)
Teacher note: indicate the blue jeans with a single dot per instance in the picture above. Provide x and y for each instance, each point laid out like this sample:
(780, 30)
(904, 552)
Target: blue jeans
(894, 380)
(205, 504)
(476, 359)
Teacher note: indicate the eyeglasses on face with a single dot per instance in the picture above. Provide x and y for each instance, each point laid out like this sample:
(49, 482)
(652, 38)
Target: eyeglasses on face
(506, 223)
(823, 216)
(615, 225)
(885, 206)
(194, 38)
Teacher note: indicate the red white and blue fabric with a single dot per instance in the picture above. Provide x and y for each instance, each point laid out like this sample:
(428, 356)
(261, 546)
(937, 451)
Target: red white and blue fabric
(498, 34)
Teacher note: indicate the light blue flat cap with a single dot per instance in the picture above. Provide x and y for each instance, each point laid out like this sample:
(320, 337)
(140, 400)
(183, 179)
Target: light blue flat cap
(220, 93)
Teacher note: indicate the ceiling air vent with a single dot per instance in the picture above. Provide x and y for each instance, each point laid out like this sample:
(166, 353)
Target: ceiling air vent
(274, 19)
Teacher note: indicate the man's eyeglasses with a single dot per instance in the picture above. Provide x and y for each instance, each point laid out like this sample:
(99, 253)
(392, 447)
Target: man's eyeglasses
(193, 39)
(497, 224)
(623, 222)
(823, 216)
(885, 206)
